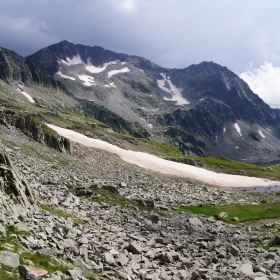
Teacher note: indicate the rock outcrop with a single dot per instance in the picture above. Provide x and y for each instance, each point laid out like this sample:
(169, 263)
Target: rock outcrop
(32, 126)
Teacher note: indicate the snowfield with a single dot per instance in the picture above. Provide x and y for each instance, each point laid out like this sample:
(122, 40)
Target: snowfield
(88, 80)
(114, 72)
(176, 92)
(160, 165)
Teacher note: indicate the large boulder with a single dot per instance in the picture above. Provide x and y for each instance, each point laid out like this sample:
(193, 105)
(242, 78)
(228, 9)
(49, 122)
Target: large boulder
(9, 259)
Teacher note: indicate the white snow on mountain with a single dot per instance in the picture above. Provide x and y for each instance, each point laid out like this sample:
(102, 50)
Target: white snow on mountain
(176, 92)
(19, 88)
(238, 129)
(114, 72)
(88, 80)
(261, 134)
(89, 67)
(72, 61)
(112, 84)
(98, 69)
(65, 76)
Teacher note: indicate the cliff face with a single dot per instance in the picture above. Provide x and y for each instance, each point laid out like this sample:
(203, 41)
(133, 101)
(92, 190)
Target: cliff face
(14, 69)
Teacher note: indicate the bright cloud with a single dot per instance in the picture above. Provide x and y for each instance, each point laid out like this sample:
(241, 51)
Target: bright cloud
(127, 6)
(264, 81)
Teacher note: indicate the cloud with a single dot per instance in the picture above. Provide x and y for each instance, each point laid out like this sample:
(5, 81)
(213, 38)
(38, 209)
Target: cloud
(264, 81)
(127, 6)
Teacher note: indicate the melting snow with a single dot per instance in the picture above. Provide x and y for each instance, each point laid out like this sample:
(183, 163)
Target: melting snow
(27, 95)
(157, 164)
(261, 134)
(237, 128)
(98, 69)
(176, 92)
(89, 67)
(112, 84)
(88, 80)
(65, 76)
(73, 61)
(114, 72)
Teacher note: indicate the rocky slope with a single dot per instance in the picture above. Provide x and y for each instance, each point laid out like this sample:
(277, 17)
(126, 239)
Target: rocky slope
(97, 218)
(204, 109)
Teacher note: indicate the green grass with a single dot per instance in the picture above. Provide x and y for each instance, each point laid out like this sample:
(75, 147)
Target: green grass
(10, 238)
(8, 273)
(43, 262)
(225, 165)
(108, 195)
(243, 212)
(61, 214)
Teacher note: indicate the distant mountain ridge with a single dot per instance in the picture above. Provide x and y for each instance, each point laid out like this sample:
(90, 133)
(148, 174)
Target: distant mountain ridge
(203, 109)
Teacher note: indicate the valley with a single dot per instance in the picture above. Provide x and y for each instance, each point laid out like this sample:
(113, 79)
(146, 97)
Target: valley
(112, 167)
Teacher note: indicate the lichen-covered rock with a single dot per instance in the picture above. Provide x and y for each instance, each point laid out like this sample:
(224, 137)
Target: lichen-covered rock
(10, 259)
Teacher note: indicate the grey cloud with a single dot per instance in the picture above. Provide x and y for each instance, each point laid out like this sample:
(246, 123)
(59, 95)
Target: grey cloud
(172, 34)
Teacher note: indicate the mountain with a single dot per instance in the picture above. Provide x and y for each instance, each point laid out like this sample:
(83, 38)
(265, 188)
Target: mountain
(203, 109)
(73, 210)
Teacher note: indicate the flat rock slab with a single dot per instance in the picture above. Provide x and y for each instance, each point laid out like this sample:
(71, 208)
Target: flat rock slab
(10, 259)
(32, 273)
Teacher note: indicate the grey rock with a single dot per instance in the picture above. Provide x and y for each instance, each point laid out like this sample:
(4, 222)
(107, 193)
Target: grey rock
(222, 215)
(32, 273)
(275, 240)
(246, 269)
(134, 248)
(9, 259)
(233, 250)
(109, 258)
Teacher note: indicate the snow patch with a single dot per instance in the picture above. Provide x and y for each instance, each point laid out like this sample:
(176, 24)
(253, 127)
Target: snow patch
(224, 129)
(114, 72)
(88, 80)
(98, 69)
(238, 129)
(112, 84)
(89, 67)
(176, 92)
(150, 125)
(154, 163)
(65, 76)
(27, 95)
(261, 134)
(72, 61)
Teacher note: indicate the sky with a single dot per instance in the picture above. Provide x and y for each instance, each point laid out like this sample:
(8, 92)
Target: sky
(241, 35)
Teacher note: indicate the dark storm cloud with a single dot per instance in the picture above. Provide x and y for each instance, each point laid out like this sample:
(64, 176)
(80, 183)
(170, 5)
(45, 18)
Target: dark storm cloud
(170, 33)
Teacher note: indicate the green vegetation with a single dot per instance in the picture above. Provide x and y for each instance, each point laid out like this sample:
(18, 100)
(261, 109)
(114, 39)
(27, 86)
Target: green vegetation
(109, 195)
(61, 213)
(8, 273)
(243, 212)
(43, 262)
(228, 166)
(11, 231)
